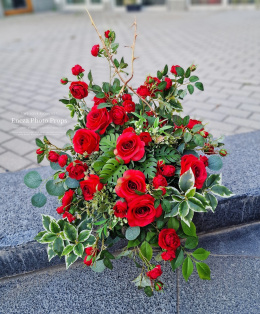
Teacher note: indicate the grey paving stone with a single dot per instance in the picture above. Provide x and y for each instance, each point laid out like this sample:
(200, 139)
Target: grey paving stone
(19, 146)
(4, 136)
(13, 162)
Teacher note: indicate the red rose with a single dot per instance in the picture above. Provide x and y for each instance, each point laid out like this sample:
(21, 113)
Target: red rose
(205, 160)
(169, 83)
(62, 175)
(90, 251)
(120, 209)
(95, 50)
(155, 272)
(64, 81)
(222, 152)
(98, 101)
(145, 137)
(129, 106)
(169, 240)
(159, 182)
(143, 91)
(173, 69)
(98, 119)
(165, 170)
(192, 123)
(107, 33)
(79, 89)
(131, 181)
(62, 160)
(86, 141)
(168, 255)
(198, 168)
(53, 156)
(77, 69)
(39, 151)
(141, 211)
(150, 113)
(159, 211)
(67, 199)
(69, 216)
(119, 115)
(76, 169)
(87, 261)
(90, 186)
(114, 101)
(129, 129)
(126, 97)
(129, 147)
(60, 210)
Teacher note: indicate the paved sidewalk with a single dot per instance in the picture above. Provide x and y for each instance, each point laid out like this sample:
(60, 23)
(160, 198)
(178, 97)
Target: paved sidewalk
(37, 50)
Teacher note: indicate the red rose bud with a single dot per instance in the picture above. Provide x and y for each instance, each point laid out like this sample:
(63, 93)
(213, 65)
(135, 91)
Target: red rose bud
(88, 260)
(64, 81)
(143, 91)
(60, 210)
(158, 286)
(205, 160)
(168, 255)
(107, 33)
(39, 151)
(173, 69)
(155, 272)
(169, 83)
(223, 152)
(69, 216)
(53, 156)
(126, 97)
(62, 175)
(114, 101)
(209, 149)
(204, 134)
(145, 137)
(120, 209)
(62, 161)
(95, 50)
(77, 69)
(193, 67)
(129, 106)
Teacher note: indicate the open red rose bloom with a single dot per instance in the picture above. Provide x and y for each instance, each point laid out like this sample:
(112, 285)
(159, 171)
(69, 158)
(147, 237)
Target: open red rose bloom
(134, 168)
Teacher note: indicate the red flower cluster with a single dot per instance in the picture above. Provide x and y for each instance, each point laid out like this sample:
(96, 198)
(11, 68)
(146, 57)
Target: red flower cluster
(66, 204)
(91, 253)
(169, 241)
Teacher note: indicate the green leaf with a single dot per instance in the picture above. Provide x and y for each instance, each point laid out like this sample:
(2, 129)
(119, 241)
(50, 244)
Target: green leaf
(191, 242)
(161, 86)
(55, 166)
(215, 162)
(190, 88)
(48, 237)
(178, 133)
(186, 180)
(105, 87)
(84, 225)
(70, 259)
(196, 205)
(64, 101)
(187, 268)
(46, 220)
(39, 200)
(176, 262)
(72, 183)
(159, 75)
(149, 167)
(200, 254)
(148, 291)
(70, 232)
(98, 266)
(190, 192)
(188, 219)
(84, 235)
(186, 120)
(165, 70)
(180, 71)
(90, 76)
(199, 140)
(197, 127)
(146, 251)
(221, 190)
(187, 137)
(32, 179)
(110, 168)
(201, 198)
(167, 154)
(39, 235)
(108, 142)
(203, 271)
(166, 205)
(183, 209)
(103, 105)
(173, 223)
(190, 231)
(177, 120)
(193, 79)
(39, 143)
(213, 202)
(50, 253)
(55, 188)
(213, 179)
(187, 73)
(108, 263)
(102, 159)
(58, 246)
(78, 249)
(67, 249)
(100, 95)
(132, 233)
(174, 211)
(54, 227)
(133, 243)
(40, 158)
(199, 86)
(96, 88)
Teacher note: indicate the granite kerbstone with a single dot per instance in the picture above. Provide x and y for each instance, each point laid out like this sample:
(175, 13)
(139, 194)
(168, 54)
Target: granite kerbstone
(80, 290)
(21, 221)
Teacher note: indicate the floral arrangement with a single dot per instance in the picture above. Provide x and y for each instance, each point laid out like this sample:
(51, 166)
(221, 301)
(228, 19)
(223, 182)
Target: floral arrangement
(135, 169)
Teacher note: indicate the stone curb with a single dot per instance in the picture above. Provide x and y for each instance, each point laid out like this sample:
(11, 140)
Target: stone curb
(20, 254)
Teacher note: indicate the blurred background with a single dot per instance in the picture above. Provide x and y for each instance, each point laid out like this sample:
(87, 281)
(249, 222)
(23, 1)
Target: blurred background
(41, 40)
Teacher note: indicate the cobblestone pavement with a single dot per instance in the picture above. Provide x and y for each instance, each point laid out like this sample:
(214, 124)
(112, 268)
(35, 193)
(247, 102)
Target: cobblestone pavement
(37, 50)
